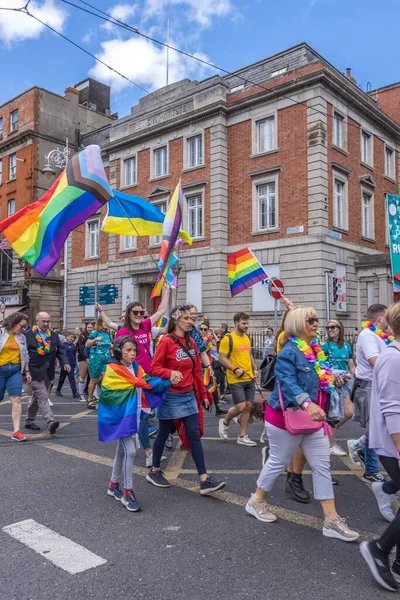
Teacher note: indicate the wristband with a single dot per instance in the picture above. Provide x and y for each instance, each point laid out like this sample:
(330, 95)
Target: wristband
(207, 367)
(100, 310)
(235, 369)
(306, 404)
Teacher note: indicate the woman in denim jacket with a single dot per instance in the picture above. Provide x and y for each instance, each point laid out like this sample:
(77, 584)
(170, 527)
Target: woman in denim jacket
(297, 374)
(14, 364)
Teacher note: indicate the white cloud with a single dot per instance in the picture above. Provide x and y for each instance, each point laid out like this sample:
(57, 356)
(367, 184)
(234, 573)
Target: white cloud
(201, 11)
(16, 26)
(144, 63)
(122, 12)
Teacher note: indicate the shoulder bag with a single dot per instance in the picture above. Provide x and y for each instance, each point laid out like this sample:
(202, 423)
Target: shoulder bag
(298, 422)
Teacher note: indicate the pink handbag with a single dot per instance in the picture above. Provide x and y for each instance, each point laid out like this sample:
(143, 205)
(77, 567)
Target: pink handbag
(298, 422)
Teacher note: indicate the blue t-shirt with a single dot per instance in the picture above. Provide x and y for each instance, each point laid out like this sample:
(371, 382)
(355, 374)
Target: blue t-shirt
(338, 355)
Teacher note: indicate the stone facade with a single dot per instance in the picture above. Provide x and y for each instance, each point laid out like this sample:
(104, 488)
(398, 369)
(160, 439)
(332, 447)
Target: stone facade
(281, 172)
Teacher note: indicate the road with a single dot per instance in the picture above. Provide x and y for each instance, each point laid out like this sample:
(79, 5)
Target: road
(181, 544)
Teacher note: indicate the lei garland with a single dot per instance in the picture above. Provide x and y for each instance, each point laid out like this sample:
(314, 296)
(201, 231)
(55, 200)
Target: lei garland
(388, 339)
(42, 348)
(318, 359)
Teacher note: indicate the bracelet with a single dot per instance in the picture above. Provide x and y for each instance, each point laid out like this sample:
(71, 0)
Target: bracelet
(235, 369)
(207, 367)
(306, 404)
(100, 310)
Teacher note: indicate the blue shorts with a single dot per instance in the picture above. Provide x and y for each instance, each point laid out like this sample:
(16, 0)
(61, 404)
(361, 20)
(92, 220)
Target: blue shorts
(10, 380)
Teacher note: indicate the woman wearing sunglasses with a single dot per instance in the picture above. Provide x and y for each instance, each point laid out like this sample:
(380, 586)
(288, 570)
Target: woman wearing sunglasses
(340, 356)
(303, 380)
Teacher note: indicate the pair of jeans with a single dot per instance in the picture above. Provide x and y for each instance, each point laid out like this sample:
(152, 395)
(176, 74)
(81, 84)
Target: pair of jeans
(371, 459)
(125, 453)
(143, 432)
(191, 424)
(391, 535)
(71, 379)
(10, 380)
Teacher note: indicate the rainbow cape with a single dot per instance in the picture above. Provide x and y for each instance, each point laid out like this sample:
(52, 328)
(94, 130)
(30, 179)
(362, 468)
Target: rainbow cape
(38, 231)
(122, 398)
(171, 229)
(244, 270)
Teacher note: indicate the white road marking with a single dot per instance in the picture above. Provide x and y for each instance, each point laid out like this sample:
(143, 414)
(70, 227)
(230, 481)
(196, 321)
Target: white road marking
(56, 548)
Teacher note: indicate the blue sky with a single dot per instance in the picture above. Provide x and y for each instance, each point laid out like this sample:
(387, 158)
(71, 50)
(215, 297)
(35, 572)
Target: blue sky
(361, 34)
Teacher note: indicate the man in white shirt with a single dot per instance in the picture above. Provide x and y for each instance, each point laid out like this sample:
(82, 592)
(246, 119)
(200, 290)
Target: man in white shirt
(369, 346)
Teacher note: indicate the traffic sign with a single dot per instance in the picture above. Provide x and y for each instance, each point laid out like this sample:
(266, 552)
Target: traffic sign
(106, 294)
(276, 288)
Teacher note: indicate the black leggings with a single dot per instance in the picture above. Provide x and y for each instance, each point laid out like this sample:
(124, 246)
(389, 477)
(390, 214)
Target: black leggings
(191, 424)
(219, 373)
(391, 536)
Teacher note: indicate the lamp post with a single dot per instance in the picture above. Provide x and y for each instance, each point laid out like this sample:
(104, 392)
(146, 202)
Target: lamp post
(56, 160)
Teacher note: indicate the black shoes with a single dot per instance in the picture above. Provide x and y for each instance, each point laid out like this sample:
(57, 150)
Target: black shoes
(295, 488)
(378, 563)
(32, 426)
(77, 396)
(220, 411)
(53, 427)
(58, 393)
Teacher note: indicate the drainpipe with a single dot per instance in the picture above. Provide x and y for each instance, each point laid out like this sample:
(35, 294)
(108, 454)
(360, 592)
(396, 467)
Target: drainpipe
(65, 283)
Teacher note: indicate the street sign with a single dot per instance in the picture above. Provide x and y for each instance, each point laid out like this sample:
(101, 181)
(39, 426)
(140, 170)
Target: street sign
(106, 294)
(86, 295)
(275, 288)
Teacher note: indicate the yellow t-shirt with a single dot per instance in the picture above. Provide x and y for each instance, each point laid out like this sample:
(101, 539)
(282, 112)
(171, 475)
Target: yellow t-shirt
(11, 352)
(240, 356)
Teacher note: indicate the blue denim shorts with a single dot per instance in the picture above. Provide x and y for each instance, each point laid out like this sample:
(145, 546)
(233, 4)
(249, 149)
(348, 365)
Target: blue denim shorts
(10, 380)
(177, 406)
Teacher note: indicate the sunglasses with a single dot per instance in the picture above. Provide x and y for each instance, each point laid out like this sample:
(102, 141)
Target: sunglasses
(138, 313)
(312, 320)
(203, 328)
(331, 327)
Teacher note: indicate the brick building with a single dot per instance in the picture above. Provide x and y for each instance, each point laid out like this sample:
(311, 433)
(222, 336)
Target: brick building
(288, 156)
(31, 125)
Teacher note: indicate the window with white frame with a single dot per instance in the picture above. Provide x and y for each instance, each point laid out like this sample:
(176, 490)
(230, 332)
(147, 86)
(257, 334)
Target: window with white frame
(338, 130)
(14, 121)
(1, 172)
(366, 148)
(389, 162)
(13, 166)
(127, 242)
(130, 175)
(195, 216)
(367, 205)
(92, 238)
(160, 161)
(266, 135)
(266, 206)
(155, 240)
(340, 212)
(195, 151)
(11, 207)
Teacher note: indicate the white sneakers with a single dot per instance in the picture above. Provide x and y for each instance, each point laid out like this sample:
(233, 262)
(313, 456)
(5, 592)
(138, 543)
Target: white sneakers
(223, 434)
(336, 450)
(384, 501)
(259, 510)
(246, 441)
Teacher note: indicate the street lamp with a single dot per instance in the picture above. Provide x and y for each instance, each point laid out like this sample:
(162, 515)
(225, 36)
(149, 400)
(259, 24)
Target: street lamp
(56, 159)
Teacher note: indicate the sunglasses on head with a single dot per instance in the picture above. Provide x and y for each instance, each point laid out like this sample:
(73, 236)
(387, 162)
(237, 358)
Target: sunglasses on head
(331, 327)
(138, 313)
(312, 320)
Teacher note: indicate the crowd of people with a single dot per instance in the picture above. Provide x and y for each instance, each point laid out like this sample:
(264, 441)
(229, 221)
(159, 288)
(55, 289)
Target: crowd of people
(137, 370)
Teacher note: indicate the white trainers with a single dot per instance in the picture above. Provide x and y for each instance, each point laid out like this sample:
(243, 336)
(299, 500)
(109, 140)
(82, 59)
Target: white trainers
(149, 460)
(353, 446)
(259, 510)
(384, 501)
(223, 430)
(246, 441)
(50, 402)
(338, 528)
(336, 450)
(82, 398)
(264, 436)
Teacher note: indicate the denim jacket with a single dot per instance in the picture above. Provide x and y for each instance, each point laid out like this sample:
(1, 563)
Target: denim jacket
(297, 378)
(21, 341)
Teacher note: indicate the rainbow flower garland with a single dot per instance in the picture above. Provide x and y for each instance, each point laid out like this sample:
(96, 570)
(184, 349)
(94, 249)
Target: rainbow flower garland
(42, 348)
(318, 359)
(388, 339)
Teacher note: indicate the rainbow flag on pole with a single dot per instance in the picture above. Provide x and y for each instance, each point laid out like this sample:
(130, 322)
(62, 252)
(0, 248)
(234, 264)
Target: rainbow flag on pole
(171, 228)
(38, 231)
(244, 270)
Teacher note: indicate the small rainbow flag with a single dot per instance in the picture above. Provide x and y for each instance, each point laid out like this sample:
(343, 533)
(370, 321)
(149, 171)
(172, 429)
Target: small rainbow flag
(162, 322)
(210, 383)
(244, 270)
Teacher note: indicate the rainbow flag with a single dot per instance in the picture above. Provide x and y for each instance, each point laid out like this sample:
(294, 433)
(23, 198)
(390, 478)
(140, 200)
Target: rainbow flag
(38, 231)
(171, 228)
(210, 383)
(162, 322)
(244, 270)
(122, 398)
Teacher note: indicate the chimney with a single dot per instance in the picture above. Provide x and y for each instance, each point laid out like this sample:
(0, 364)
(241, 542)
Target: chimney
(349, 75)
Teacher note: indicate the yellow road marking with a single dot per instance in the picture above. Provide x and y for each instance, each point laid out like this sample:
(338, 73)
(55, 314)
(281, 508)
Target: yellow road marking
(253, 472)
(175, 463)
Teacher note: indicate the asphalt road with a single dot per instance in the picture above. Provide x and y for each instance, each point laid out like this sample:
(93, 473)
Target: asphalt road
(181, 544)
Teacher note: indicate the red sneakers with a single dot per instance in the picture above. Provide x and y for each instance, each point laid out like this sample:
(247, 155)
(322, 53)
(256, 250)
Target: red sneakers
(18, 436)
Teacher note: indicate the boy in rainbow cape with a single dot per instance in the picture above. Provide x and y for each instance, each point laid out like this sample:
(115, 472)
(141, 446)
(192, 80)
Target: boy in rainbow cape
(125, 391)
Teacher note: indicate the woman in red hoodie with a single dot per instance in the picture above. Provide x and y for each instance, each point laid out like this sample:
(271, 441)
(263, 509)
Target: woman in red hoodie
(177, 359)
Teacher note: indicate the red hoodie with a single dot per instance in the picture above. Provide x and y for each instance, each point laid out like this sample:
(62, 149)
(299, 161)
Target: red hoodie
(170, 356)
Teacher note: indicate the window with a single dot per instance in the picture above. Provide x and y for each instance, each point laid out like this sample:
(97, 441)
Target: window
(266, 204)
(195, 216)
(14, 121)
(195, 151)
(160, 162)
(340, 212)
(194, 288)
(1, 127)
(338, 130)
(366, 148)
(6, 266)
(10, 207)
(266, 135)
(130, 171)
(370, 293)
(1, 172)
(92, 239)
(279, 72)
(128, 242)
(389, 162)
(13, 166)
(155, 240)
(368, 215)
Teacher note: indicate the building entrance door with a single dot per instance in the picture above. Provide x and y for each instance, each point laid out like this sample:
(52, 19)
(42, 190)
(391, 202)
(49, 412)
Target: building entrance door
(150, 305)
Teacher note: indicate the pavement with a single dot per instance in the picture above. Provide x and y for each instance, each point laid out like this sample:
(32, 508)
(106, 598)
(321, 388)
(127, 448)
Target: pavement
(63, 538)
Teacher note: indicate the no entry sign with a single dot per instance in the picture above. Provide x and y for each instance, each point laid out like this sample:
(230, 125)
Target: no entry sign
(275, 288)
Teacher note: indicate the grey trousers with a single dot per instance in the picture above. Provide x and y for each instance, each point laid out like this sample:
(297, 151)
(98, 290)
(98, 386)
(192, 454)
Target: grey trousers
(125, 454)
(39, 403)
(283, 445)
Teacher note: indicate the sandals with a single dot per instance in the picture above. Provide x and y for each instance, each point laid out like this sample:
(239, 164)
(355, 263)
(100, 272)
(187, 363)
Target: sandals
(91, 405)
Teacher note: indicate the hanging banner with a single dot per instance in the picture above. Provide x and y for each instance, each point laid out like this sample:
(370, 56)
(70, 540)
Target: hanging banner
(393, 212)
